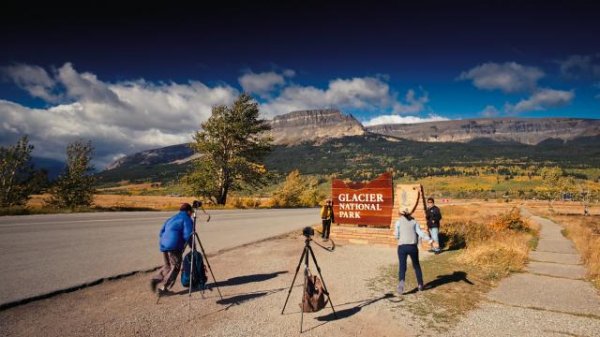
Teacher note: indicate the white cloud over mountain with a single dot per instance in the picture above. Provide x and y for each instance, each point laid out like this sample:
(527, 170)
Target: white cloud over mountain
(396, 119)
(128, 116)
(510, 77)
(542, 100)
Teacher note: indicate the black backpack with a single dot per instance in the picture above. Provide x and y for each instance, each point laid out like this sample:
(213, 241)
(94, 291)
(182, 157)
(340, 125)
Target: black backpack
(199, 278)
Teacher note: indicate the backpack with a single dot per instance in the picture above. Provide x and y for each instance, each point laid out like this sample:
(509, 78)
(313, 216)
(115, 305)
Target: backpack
(199, 278)
(314, 295)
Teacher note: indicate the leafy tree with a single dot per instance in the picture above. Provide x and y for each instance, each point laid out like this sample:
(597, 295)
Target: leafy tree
(16, 173)
(75, 186)
(232, 145)
(297, 191)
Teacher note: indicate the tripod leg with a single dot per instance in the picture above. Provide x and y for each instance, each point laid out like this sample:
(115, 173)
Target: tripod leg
(293, 280)
(193, 247)
(208, 264)
(312, 254)
(303, 298)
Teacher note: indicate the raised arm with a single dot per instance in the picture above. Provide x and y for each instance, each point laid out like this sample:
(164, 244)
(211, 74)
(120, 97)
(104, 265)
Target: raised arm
(420, 232)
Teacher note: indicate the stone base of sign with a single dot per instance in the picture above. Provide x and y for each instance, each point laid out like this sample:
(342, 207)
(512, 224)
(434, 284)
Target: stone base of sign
(366, 236)
(362, 235)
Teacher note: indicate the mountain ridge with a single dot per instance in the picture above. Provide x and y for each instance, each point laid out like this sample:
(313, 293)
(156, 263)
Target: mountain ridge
(316, 127)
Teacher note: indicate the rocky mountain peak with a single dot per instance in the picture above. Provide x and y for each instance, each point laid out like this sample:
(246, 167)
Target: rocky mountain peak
(313, 126)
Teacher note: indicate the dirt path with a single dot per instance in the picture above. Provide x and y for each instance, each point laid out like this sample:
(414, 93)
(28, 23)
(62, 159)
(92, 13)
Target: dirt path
(254, 282)
(549, 299)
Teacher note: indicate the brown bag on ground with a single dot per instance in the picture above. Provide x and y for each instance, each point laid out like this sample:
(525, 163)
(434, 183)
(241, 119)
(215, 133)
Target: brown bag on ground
(314, 295)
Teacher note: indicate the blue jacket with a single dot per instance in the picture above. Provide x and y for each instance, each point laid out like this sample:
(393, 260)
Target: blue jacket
(176, 232)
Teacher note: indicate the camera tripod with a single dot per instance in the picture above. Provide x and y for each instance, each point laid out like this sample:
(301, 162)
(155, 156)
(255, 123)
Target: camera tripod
(307, 251)
(195, 238)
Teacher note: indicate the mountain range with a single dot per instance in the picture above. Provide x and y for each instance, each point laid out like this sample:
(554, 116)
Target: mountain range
(300, 137)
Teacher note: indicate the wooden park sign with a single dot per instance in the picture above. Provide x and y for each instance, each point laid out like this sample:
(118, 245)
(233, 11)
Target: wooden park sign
(363, 203)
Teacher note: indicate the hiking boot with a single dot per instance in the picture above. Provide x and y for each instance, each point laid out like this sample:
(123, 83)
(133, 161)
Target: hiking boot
(400, 288)
(420, 287)
(162, 291)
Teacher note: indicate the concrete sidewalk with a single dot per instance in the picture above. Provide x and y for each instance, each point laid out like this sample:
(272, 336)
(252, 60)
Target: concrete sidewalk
(549, 299)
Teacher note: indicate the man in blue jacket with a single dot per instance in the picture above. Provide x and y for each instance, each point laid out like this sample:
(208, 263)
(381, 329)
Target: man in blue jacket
(174, 235)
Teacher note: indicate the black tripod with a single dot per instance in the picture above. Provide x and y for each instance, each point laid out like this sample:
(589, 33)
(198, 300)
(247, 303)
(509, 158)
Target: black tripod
(307, 250)
(195, 238)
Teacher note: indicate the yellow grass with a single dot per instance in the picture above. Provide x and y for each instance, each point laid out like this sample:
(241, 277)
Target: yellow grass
(495, 237)
(160, 203)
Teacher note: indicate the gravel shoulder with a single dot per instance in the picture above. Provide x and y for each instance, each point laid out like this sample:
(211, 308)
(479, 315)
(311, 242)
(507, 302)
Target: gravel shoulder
(254, 282)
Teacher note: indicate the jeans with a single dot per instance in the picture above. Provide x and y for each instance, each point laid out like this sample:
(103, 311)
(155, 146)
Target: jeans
(413, 252)
(167, 275)
(435, 236)
(326, 228)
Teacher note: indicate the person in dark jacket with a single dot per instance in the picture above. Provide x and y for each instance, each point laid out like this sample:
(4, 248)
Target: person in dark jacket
(434, 215)
(174, 235)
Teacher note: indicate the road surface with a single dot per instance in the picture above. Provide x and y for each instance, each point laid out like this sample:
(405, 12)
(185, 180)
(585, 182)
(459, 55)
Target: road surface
(40, 254)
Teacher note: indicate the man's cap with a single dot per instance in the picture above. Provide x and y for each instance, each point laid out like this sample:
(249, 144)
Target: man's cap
(405, 211)
(185, 207)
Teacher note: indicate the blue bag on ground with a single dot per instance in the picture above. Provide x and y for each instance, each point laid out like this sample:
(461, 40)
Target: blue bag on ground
(199, 278)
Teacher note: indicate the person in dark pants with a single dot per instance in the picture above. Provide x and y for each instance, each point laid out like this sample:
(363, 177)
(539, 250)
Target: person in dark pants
(433, 215)
(174, 235)
(327, 218)
(407, 232)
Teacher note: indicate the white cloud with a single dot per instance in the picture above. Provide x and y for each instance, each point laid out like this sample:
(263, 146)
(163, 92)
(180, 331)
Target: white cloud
(395, 119)
(490, 111)
(542, 100)
(34, 79)
(122, 117)
(130, 116)
(365, 93)
(509, 77)
(413, 103)
(264, 83)
(580, 66)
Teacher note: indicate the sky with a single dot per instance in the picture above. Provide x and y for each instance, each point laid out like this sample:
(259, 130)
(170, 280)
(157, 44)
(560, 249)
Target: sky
(136, 77)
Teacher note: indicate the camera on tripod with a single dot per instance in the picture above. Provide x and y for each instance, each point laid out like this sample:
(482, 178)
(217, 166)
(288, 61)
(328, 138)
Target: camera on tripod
(308, 231)
(196, 204)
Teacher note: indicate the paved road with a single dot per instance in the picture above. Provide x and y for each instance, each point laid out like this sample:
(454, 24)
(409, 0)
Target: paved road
(40, 254)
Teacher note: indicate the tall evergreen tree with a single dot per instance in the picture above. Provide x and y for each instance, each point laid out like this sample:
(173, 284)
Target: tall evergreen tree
(232, 145)
(75, 186)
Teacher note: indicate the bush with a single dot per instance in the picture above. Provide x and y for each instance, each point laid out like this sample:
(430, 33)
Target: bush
(297, 191)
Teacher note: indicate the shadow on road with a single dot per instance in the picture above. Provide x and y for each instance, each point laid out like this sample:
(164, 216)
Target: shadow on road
(351, 311)
(456, 276)
(234, 281)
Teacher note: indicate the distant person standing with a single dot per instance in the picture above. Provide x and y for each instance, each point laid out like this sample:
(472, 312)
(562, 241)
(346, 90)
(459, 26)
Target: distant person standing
(433, 216)
(174, 235)
(407, 231)
(327, 218)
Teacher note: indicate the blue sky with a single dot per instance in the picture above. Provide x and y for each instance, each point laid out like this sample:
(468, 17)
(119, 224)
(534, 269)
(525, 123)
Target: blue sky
(132, 79)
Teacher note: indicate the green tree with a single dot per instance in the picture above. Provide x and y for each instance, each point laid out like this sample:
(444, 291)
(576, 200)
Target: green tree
(75, 186)
(16, 173)
(232, 144)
